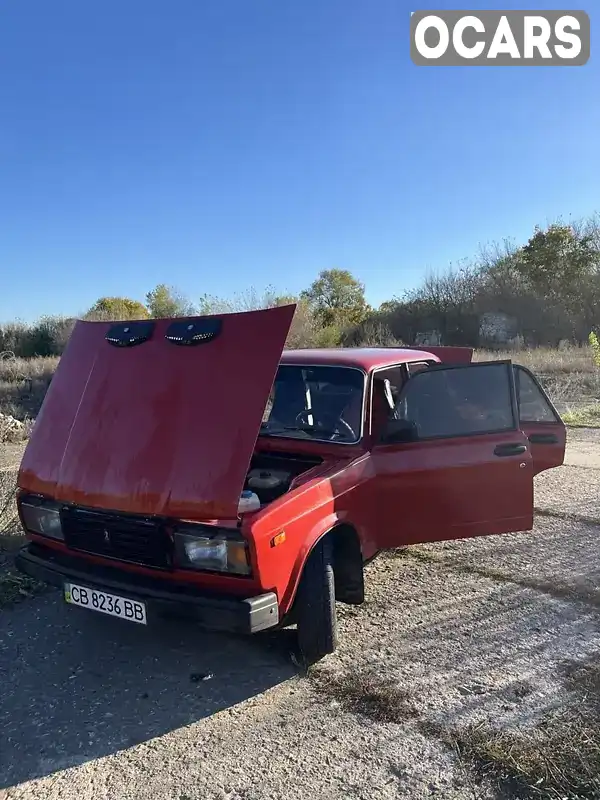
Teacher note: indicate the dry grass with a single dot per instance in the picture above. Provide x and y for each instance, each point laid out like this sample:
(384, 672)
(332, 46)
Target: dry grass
(14, 369)
(11, 433)
(365, 693)
(23, 384)
(14, 586)
(586, 417)
(555, 757)
(546, 360)
(559, 757)
(568, 374)
(8, 509)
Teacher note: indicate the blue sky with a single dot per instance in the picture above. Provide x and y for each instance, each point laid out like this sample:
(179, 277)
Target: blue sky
(225, 144)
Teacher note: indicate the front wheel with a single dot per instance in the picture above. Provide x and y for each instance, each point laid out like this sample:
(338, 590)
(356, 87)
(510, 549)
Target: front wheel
(316, 617)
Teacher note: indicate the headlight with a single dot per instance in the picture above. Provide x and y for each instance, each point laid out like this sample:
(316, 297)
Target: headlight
(197, 547)
(42, 517)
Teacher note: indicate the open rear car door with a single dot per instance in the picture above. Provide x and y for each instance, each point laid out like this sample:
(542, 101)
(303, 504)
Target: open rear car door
(539, 421)
(457, 461)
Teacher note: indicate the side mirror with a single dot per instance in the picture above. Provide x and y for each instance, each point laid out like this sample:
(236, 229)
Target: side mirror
(400, 431)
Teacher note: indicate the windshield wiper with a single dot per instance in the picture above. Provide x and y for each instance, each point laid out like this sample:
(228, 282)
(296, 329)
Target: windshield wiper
(323, 432)
(316, 433)
(267, 430)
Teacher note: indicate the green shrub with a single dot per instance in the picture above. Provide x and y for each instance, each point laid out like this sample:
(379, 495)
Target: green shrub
(595, 345)
(46, 337)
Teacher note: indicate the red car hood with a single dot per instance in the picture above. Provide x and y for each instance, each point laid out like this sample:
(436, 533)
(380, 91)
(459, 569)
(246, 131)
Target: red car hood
(154, 426)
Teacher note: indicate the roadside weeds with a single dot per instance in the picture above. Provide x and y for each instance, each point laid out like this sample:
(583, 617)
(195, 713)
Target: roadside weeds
(14, 586)
(365, 693)
(8, 510)
(586, 417)
(558, 757)
(555, 758)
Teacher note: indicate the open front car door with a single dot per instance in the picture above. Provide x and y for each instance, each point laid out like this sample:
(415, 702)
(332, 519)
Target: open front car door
(457, 461)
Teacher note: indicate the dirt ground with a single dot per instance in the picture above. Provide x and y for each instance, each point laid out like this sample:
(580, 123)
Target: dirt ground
(471, 631)
(10, 455)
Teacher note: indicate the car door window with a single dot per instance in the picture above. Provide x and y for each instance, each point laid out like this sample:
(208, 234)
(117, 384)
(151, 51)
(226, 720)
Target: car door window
(460, 401)
(534, 406)
(417, 366)
(394, 377)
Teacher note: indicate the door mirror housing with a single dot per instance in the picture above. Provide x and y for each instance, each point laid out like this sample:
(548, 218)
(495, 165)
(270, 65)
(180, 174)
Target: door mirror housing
(400, 431)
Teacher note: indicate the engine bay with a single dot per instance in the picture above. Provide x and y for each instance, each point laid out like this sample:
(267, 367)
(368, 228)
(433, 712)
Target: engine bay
(272, 474)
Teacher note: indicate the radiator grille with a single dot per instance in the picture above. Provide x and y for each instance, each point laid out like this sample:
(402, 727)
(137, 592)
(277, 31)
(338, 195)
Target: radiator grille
(141, 540)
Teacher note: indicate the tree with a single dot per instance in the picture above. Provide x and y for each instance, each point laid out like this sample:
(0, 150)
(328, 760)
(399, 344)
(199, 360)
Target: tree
(445, 303)
(249, 300)
(50, 335)
(167, 301)
(337, 299)
(116, 308)
(373, 332)
(559, 269)
(304, 331)
(558, 262)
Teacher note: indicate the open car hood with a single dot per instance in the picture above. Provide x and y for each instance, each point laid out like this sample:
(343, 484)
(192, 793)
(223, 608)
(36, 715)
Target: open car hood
(159, 416)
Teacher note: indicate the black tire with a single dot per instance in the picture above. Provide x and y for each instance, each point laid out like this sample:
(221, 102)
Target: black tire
(316, 617)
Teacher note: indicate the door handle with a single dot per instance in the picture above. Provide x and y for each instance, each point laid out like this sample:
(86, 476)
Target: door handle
(510, 449)
(543, 438)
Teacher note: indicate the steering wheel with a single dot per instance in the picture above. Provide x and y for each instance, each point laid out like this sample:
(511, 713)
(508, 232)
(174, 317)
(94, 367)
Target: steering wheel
(338, 422)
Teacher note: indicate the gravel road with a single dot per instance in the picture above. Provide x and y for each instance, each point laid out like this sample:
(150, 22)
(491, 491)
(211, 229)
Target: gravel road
(464, 631)
(10, 456)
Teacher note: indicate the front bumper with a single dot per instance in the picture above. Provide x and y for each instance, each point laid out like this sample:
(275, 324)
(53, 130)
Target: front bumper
(213, 611)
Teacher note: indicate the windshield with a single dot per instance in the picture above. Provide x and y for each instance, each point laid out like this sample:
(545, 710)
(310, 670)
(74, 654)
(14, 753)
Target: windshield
(320, 403)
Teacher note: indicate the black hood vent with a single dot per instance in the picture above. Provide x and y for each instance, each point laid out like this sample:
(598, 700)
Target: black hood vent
(191, 332)
(128, 334)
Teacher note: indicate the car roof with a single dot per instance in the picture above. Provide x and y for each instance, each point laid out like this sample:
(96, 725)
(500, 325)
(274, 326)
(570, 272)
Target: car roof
(365, 358)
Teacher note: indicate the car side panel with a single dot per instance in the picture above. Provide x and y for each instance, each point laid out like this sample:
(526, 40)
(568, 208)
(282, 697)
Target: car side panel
(547, 441)
(305, 515)
(452, 489)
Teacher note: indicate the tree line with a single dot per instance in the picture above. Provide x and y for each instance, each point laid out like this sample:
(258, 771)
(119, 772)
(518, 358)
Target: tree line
(545, 291)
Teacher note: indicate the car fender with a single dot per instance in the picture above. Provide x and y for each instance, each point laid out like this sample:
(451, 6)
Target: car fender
(314, 535)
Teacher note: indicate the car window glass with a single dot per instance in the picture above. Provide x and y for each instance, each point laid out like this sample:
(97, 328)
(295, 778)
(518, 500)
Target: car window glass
(385, 392)
(417, 366)
(320, 402)
(395, 378)
(533, 406)
(458, 401)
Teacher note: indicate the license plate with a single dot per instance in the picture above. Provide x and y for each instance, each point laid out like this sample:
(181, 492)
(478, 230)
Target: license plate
(105, 603)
